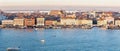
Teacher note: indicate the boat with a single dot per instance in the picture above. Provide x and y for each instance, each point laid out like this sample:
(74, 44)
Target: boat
(36, 28)
(42, 41)
(13, 49)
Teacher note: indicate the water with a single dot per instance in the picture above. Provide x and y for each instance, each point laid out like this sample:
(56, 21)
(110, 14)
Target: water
(60, 39)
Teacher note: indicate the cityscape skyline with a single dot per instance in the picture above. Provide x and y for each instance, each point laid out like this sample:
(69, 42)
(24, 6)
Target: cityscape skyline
(59, 25)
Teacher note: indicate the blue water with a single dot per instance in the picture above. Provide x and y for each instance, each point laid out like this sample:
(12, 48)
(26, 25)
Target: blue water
(60, 39)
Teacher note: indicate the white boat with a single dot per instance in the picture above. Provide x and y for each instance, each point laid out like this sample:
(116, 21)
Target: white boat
(42, 41)
(13, 49)
(36, 28)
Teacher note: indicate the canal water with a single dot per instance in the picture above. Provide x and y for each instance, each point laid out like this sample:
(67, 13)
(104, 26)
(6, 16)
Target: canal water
(94, 39)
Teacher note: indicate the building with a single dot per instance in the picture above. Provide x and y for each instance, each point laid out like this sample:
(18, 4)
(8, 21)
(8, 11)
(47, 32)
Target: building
(92, 14)
(29, 22)
(110, 20)
(71, 15)
(101, 21)
(57, 12)
(107, 14)
(50, 22)
(68, 21)
(86, 22)
(40, 21)
(117, 21)
(7, 23)
(18, 22)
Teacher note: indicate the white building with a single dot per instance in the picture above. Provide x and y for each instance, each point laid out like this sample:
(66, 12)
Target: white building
(4, 22)
(40, 21)
(18, 22)
(86, 22)
(117, 22)
(68, 21)
(7, 23)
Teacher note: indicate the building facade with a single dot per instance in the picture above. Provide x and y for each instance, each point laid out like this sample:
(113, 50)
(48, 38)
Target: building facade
(7, 23)
(110, 20)
(29, 22)
(85, 22)
(50, 22)
(68, 21)
(40, 21)
(57, 12)
(117, 22)
(101, 22)
(19, 22)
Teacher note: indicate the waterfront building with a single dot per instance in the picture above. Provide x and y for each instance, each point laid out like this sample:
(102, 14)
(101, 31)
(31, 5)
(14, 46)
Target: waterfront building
(7, 23)
(18, 22)
(86, 22)
(29, 22)
(117, 21)
(40, 21)
(68, 21)
(110, 20)
(78, 21)
(101, 21)
(58, 23)
(50, 22)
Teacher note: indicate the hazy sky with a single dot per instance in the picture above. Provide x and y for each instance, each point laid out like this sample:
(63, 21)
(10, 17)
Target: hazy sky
(6, 3)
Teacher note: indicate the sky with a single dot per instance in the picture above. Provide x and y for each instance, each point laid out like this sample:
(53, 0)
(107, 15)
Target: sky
(60, 3)
(46, 3)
